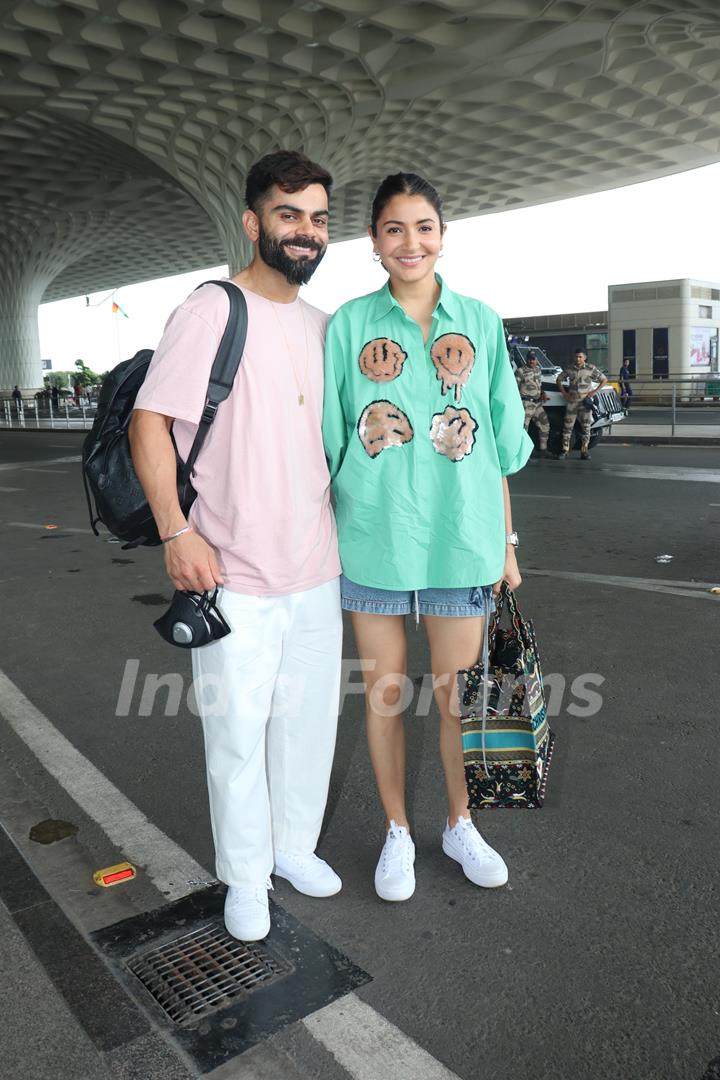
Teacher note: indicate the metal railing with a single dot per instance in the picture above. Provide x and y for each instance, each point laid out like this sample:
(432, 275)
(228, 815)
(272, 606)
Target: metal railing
(33, 413)
(674, 393)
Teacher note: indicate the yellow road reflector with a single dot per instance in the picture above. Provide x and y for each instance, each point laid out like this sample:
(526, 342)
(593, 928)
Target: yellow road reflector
(715, 589)
(113, 875)
(51, 526)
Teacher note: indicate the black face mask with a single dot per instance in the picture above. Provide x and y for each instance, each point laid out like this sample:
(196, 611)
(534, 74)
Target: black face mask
(192, 620)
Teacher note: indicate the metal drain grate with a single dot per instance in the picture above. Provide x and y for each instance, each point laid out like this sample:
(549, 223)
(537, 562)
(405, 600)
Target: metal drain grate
(203, 971)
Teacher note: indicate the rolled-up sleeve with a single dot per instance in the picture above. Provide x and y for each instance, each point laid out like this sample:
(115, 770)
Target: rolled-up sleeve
(334, 424)
(513, 443)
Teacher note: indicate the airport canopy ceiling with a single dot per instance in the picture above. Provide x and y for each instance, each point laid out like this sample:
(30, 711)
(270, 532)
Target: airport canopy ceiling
(126, 128)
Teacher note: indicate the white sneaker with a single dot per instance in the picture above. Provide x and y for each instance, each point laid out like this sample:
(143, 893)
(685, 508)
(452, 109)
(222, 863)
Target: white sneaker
(307, 874)
(481, 864)
(395, 875)
(247, 911)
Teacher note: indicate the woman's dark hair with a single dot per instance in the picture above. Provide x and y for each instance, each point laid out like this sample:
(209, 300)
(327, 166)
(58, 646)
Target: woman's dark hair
(289, 169)
(403, 183)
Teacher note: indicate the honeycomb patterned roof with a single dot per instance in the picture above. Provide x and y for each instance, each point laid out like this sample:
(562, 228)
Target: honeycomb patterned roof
(126, 128)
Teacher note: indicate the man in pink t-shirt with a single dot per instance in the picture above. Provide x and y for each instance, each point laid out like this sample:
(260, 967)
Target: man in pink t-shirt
(262, 530)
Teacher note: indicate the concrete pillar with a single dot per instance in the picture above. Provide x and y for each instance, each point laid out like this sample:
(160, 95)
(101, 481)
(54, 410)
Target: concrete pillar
(19, 338)
(643, 346)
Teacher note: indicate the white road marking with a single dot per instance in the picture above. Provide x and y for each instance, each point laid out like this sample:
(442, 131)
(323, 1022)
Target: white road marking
(143, 844)
(53, 472)
(8, 491)
(368, 1046)
(44, 528)
(663, 472)
(697, 590)
(7, 466)
(532, 495)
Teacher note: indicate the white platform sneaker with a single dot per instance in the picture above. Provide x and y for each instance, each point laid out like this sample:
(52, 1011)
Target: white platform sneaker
(307, 873)
(481, 864)
(247, 911)
(395, 873)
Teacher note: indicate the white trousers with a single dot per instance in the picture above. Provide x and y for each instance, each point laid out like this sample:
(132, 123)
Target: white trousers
(268, 695)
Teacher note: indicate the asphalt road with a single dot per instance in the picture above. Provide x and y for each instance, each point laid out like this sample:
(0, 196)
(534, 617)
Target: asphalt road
(599, 960)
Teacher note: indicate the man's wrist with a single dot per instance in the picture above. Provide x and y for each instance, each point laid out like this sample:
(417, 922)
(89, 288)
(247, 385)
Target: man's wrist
(174, 535)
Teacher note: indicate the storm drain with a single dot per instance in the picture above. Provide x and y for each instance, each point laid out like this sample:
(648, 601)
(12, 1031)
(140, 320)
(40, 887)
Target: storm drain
(203, 971)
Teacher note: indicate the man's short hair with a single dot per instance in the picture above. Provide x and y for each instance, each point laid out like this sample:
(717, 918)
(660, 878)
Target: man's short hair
(289, 169)
(579, 352)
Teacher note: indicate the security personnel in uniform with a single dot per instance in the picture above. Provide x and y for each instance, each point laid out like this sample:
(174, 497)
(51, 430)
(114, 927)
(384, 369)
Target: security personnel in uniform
(579, 389)
(529, 380)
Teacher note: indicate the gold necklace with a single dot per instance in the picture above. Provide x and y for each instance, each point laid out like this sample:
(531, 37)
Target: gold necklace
(300, 385)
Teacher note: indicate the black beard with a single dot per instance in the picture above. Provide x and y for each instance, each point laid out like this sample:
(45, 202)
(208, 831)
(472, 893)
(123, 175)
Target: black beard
(296, 271)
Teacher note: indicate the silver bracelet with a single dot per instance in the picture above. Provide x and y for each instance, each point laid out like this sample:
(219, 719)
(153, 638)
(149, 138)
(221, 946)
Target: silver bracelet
(167, 539)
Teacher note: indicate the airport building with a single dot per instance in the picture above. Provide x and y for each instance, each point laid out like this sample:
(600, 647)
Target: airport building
(663, 329)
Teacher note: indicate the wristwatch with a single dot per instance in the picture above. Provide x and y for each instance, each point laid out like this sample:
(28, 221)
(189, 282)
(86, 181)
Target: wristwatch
(512, 538)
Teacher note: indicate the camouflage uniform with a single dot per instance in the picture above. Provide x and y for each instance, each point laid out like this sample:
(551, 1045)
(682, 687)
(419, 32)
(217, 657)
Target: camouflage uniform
(529, 382)
(580, 381)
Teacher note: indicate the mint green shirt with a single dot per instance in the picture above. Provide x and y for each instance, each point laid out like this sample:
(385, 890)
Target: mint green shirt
(418, 437)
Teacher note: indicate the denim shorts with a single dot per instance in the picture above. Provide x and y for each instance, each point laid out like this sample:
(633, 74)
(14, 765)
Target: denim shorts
(458, 603)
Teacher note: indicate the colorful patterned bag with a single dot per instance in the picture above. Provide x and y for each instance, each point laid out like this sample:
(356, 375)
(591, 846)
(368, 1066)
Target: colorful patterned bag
(507, 743)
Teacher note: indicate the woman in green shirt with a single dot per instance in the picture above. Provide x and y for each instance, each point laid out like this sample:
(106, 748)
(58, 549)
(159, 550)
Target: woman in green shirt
(422, 423)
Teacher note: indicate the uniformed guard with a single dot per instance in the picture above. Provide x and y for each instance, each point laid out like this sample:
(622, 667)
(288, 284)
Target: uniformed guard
(578, 383)
(529, 380)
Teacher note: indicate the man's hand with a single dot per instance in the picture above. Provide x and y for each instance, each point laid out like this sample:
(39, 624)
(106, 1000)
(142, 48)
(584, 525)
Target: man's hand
(192, 564)
(511, 573)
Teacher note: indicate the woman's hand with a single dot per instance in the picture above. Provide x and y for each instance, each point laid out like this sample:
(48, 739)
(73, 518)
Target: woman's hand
(511, 573)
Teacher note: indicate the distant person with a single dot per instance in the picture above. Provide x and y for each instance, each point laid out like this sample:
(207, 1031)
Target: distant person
(17, 398)
(529, 380)
(578, 384)
(77, 390)
(55, 395)
(625, 387)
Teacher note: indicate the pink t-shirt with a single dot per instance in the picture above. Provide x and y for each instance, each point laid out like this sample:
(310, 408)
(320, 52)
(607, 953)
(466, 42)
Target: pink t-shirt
(263, 488)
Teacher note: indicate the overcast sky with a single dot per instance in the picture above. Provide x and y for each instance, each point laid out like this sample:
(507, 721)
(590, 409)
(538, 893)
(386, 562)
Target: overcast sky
(558, 257)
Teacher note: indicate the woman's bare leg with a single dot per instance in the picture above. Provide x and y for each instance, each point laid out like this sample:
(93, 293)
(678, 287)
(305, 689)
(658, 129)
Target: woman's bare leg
(454, 644)
(381, 638)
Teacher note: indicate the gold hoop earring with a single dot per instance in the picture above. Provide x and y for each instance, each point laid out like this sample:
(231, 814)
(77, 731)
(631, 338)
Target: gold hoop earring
(377, 257)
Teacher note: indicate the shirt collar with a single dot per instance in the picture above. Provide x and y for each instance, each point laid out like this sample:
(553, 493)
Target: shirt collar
(385, 301)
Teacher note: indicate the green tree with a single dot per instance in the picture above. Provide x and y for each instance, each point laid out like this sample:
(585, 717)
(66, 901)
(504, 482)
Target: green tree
(85, 375)
(61, 379)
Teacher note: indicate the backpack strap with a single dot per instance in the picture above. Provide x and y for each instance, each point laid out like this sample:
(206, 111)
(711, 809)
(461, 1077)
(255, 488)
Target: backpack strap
(224, 369)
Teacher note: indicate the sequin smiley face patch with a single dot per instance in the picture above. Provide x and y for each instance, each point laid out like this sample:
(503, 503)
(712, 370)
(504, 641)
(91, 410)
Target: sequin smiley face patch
(381, 425)
(453, 356)
(382, 360)
(452, 433)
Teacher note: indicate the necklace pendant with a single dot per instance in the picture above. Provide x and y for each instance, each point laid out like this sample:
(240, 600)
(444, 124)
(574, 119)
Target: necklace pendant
(301, 399)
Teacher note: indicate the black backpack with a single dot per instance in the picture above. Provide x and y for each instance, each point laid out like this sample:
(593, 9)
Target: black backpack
(108, 473)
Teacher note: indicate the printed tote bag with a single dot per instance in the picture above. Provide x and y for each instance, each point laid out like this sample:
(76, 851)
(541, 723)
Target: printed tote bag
(507, 742)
